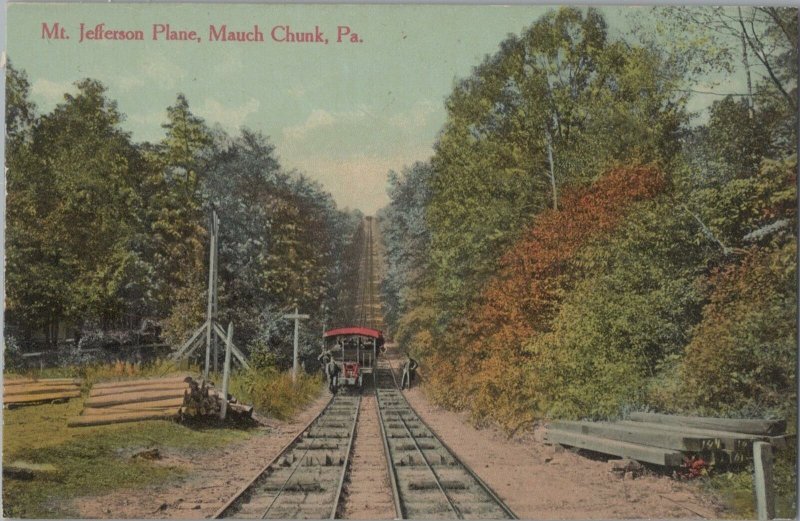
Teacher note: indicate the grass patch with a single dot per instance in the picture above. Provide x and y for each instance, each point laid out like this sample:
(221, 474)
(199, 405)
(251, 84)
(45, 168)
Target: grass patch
(273, 393)
(736, 490)
(91, 460)
(96, 460)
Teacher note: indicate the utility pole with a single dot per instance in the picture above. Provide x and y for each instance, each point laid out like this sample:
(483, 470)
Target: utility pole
(215, 227)
(210, 332)
(297, 318)
(212, 257)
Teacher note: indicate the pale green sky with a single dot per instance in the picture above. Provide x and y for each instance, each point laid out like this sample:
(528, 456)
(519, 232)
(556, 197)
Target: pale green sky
(343, 113)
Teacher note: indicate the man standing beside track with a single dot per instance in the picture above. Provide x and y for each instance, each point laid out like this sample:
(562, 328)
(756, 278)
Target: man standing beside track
(332, 371)
(409, 370)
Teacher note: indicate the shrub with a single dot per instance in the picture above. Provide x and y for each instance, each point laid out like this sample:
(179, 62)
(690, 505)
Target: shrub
(274, 393)
(743, 355)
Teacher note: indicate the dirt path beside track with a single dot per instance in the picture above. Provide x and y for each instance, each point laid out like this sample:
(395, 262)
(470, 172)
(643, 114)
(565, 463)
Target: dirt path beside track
(539, 482)
(212, 477)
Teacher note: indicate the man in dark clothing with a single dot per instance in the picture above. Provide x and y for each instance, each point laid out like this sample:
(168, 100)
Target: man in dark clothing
(332, 370)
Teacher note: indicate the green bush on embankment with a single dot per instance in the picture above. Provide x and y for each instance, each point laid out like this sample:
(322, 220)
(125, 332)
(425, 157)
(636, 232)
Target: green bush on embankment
(273, 393)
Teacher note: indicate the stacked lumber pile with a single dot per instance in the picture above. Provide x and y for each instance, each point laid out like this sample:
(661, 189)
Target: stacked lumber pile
(133, 400)
(667, 440)
(25, 391)
(178, 397)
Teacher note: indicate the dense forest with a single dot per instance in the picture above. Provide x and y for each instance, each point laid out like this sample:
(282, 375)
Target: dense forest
(581, 244)
(109, 237)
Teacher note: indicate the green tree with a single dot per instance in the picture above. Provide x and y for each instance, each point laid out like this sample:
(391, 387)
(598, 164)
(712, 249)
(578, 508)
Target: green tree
(554, 107)
(72, 215)
(177, 222)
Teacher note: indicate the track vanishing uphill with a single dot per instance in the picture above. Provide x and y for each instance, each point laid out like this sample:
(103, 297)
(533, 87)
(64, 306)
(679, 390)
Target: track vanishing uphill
(307, 479)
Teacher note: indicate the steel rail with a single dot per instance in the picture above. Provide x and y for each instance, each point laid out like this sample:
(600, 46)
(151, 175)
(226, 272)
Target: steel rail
(471, 472)
(481, 484)
(338, 496)
(270, 466)
(453, 507)
(398, 508)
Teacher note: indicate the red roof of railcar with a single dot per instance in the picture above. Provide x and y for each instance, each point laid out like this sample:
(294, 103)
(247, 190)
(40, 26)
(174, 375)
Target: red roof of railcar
(363, 331)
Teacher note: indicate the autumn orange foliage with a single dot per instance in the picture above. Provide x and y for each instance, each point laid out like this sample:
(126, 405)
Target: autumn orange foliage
(488, 359)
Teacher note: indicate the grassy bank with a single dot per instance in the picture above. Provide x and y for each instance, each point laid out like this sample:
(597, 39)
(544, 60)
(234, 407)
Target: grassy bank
(89, 461)
(96, 460)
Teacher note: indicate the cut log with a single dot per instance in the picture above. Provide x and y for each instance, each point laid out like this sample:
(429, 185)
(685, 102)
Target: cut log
(121, 399)
(759, 427)
(172, 403)
(241, 409)
(655, 455)
(43, 381)
(169, 386)
(38, 389)
(653, 435)
(140, 382)
(33, 398)
(25, 470)
(88, 421)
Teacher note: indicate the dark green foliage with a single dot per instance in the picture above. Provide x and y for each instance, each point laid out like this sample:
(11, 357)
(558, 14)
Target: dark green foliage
(406, 237)
(74, 211)
(105, 234)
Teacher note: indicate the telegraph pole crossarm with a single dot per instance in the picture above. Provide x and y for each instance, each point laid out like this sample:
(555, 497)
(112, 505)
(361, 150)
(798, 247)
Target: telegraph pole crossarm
(297, 317)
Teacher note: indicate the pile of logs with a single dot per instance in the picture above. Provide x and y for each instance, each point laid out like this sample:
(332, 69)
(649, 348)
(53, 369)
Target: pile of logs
(202, 400)
(172, 398)
(25, 391)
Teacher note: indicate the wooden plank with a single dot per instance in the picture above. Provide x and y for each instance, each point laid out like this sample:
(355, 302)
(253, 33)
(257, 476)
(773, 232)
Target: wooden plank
(731, 441)
(235, 350)
(88, 421)
(763, 480)
(42, 381)
(180, 353)
(170, 403)
(38, 389)
(642, 434)
(760, 427)
(655, 455)
(33, 398)
(168, 386)
(226, 371)
(121, 399)
(139, 382)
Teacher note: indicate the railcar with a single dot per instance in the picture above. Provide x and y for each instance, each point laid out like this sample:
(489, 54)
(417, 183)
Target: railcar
(355, 350)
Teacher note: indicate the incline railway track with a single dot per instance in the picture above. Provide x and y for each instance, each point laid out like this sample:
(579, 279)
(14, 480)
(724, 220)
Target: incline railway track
(305, 481)
(428, 480)
(368, 308)
(307, 478)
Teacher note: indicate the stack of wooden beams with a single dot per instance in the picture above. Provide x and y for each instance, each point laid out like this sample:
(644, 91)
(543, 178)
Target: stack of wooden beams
(132, 400)
(666, 440)
(25, 391)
